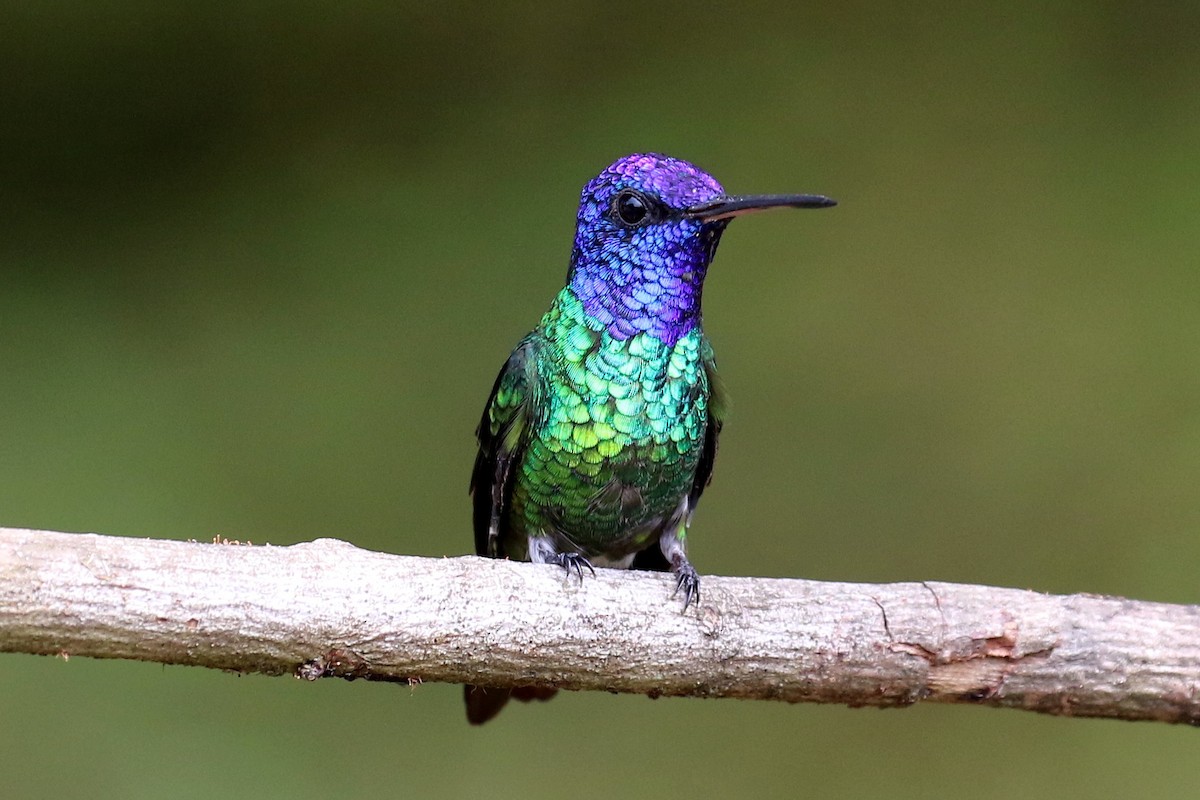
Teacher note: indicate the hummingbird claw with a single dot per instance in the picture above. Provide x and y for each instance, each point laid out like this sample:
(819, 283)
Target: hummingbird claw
(688, 582)
(575, 561)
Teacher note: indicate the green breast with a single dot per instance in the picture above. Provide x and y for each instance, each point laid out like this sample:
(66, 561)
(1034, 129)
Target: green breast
(616, 444)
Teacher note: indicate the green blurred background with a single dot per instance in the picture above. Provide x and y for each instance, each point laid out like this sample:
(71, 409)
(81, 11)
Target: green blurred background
(261, 262)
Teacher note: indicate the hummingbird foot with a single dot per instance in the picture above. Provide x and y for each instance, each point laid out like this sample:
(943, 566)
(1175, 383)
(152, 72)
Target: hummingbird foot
(574, 561)
(542, 551)
(688, 582)
(671, 542)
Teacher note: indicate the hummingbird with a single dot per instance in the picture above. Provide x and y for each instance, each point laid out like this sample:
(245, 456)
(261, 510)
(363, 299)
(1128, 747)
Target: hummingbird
(601, 430)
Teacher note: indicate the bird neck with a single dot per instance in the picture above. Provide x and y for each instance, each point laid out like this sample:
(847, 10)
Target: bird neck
(627, 298)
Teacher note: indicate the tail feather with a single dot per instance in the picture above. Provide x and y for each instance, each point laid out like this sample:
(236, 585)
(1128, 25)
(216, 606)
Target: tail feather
(485, 702)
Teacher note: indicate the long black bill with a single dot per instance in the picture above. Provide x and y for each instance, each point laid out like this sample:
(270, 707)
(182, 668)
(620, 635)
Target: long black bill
(735, 206)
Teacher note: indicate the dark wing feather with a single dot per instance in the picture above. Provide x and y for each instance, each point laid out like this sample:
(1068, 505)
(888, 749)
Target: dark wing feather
(501, 434)
(718, 407)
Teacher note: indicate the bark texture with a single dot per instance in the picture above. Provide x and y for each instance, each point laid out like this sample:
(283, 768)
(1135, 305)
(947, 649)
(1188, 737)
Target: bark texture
(326, 608)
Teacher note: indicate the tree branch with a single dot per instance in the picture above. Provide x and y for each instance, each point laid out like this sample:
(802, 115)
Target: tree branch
(326, 608)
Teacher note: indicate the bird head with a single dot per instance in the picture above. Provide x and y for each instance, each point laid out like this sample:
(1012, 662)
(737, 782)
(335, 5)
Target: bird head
(647, 229)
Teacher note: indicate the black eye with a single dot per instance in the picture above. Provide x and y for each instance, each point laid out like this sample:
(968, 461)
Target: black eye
(632, 208)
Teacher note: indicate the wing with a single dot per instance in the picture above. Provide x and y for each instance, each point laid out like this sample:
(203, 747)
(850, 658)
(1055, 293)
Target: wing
(652, 557)
(502, 435)
(718, 407)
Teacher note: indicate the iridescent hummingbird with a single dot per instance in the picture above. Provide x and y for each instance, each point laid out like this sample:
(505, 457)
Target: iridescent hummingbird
(601, 430)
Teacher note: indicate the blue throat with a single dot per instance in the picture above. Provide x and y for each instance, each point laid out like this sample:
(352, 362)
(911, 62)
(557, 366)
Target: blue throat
(630, 295)
(628, 299)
